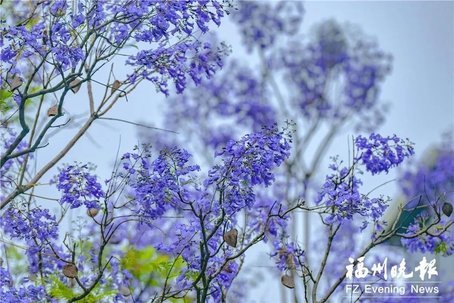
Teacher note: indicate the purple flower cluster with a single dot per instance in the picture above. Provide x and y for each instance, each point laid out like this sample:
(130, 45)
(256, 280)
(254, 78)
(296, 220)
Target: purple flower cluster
(34, 224)
(378, 154)
(341, 190)
(336, 54)
(442, 243)
(26, 293)
(7, 173)
(155, 185)
(261, 24)
(340, 193)
(246, 163)
(64, 36)
(79, 187)
(432, 175)
(194, 59)
(37, 228)
(429, 186)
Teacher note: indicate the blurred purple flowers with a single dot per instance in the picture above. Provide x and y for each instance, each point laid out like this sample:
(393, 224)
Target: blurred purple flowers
(79, 187)
(379, 154)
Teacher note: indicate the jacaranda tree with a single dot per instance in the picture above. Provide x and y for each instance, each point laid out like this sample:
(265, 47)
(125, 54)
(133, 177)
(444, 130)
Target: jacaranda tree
(326, 84)
(169, 226)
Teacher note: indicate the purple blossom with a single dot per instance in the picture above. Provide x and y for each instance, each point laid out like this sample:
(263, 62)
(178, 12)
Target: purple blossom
(194, 59)
(246, 163)
(58, 39)
(79, 187)
(262, 24)
(379, 154)
(427, 186)
(155, 185)
(340, 193)
(36, 224)
(9, 169)
(26, 293)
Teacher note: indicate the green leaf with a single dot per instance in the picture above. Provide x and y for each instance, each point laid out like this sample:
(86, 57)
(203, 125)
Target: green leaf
(5, 100)
(149, 266)
(59, 290)
(32, 22)
(441, 248)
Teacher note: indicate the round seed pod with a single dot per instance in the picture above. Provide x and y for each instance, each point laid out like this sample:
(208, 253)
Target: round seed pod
(92, 212)
(70, 270)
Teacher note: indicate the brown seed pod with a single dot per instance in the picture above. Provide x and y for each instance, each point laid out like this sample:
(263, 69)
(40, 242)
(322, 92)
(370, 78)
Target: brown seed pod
(231, 237)
(75, 85)
(92, 212)
(70, 270)
(115, 85)
(52, 111)
(447, 209)
(287, 281)
(15, 82)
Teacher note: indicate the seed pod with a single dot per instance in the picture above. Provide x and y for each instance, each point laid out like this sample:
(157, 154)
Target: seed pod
(231, 237)
(447, 209)
(70, 270)
(287, 281)
(75, 85)
(15, 82)
(52, 111)
(115, 85)
(92, 212)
